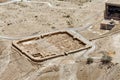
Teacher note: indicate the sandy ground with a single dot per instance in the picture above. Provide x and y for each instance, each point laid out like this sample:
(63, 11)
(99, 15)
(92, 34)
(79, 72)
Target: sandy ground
(31, 18)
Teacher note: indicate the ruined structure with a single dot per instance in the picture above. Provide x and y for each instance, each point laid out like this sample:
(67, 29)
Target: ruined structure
(51, 45)
(107, 24)
(112, 10)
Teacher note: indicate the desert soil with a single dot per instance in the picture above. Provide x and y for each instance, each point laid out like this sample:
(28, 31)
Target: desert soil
(24, 19)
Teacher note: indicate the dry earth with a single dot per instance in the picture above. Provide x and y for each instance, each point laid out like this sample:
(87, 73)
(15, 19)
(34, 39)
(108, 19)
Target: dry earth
(22, 19)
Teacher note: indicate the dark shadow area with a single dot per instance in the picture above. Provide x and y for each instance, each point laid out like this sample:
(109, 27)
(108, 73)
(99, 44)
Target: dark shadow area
(113, 12)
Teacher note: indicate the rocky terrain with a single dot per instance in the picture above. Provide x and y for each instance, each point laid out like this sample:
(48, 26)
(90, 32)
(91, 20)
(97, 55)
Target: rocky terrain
(24, 19)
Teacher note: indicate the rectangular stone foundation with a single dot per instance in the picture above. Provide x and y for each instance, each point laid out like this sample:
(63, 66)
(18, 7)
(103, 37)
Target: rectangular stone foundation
(50, 45)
